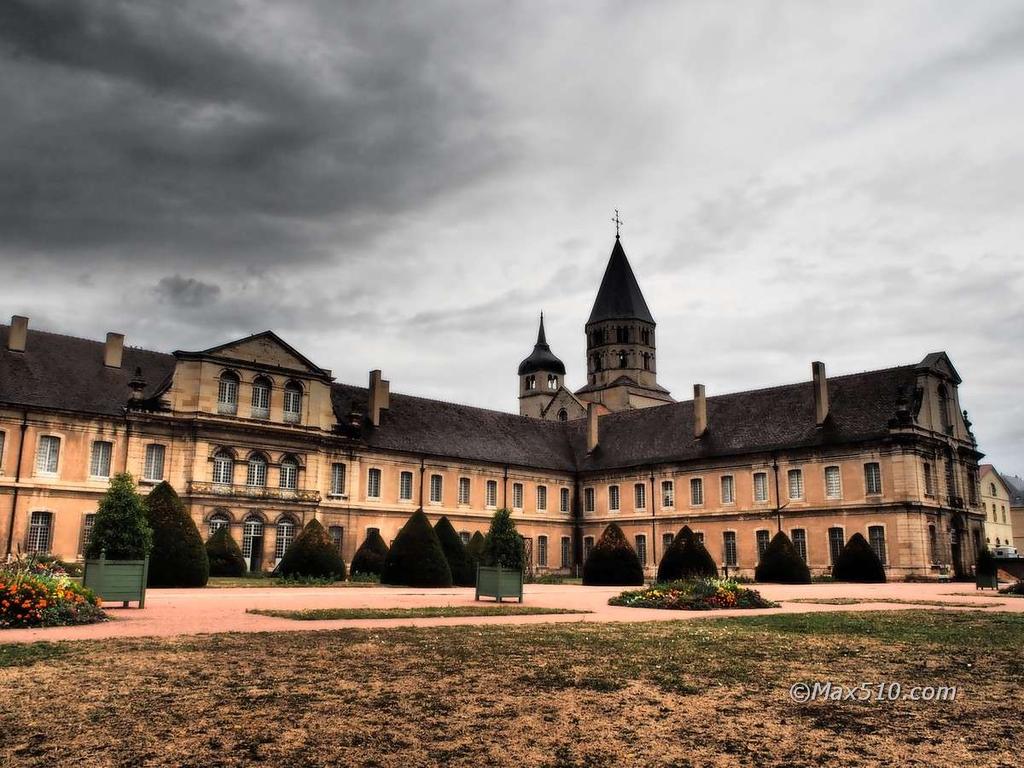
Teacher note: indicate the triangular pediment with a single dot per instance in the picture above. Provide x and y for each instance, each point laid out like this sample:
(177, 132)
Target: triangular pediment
(263, 349)
(563, 398)
(940, 364)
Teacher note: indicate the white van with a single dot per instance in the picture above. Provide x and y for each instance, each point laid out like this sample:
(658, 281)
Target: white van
(1005, 552)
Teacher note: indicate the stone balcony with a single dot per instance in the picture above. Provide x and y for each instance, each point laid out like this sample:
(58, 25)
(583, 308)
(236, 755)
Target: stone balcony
(263, 493)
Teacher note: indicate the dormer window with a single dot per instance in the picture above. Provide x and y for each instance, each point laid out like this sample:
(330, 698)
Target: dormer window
(227, 393)
(261, 398)
(292, 402)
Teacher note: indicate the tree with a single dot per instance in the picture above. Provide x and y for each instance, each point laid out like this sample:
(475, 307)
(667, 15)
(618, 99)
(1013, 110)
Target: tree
(224, 555)
(686, 558)
(858, 562)
(613, 562)
(503, 545)
(312, 554)
(454, 550)
(475, 552)
(120, 528)
(416, 558)
(372, 553)
(781, 563)
(178, 557)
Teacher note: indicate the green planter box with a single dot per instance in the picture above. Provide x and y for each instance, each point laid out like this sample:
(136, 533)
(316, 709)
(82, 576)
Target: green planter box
(499, 583)
(117, 580)
(986, 582)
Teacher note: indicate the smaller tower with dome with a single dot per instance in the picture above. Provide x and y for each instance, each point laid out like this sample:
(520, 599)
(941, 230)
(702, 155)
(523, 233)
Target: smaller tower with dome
(540, 376)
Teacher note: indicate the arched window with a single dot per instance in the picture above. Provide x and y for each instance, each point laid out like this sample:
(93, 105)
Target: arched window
(223, 468)
(991, 489)
(563, 415)
(623, 360)
(227, 393)
(217, 521)
(647, 361)
(285, 536)
(944, 416)
(252, 536)
(261, 398)
(256, 476)
(531, 382)
(597, 363)
(289, 473)
(552, 381)
(292, 402)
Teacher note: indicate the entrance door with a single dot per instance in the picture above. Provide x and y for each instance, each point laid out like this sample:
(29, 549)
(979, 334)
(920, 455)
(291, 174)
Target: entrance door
(957, 535)
(252, 543)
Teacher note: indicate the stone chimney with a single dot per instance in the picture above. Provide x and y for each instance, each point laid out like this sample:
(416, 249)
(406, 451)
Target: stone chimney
(820, 393)
(113, 350)
(592, 431)
(700, 411)
(380, 396)
(18, 334)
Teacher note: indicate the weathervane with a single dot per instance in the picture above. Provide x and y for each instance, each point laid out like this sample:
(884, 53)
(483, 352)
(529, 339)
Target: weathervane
(618, 223)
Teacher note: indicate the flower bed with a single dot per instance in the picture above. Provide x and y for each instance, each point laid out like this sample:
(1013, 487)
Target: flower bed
(697, 595)
(35, 593)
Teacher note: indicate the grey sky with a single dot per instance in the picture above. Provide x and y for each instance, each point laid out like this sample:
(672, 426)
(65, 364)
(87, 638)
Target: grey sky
(406, 185)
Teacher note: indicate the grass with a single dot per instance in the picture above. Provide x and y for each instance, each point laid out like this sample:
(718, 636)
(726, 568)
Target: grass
(698, 692)
(862, 600)
(241, 582)
(425, 612)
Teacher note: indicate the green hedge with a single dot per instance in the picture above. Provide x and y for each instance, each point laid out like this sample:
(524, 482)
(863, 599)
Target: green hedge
(178, 558)
(224, 555)
(858, 563)
(475, 551)
(416, 559)
(463, 574)
(312, 554)
(686, 558)
(612, 561)
(370, 556)
(781, 563)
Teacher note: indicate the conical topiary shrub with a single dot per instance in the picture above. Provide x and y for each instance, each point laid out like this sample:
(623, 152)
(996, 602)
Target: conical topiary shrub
(312, 554)
(178, 557)
(224, 555)
(415, 558)
(455, 553)
(503, 545)
(781, 563)
(858, 563)
(120, 528)
(475, 552)
(686, 558)
(370, 556)
(612, 561)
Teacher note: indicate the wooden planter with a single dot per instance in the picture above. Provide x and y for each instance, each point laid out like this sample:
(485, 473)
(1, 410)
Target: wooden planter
(986, 582)
(115, 580)
(499, 583)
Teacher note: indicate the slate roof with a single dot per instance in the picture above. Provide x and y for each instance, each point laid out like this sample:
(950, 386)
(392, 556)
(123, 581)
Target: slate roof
(619, 297)
(1015, 486)
(542, 358)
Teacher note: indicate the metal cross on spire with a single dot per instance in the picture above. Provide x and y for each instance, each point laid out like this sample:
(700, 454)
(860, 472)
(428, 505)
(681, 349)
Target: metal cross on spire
(618, 223)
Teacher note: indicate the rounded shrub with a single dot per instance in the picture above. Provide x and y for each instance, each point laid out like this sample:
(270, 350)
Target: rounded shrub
(781, 563)
(503, 545)
(370, 556)
(416, 558)
(475, 551)
(224, 555)
(463, 575)
(986, 564)
(178, 557)
(312, 554)
(120, 528)
(686, 558)
(858, 562)
(612, 561)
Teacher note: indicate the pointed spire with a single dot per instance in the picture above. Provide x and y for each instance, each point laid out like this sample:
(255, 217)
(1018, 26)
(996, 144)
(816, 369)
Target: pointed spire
(619, 297)
(541, 338)
(542, 358)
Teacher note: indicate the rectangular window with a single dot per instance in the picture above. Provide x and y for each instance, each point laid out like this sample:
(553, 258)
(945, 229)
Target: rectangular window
(763, 537)
(929, 480)
(337, 534)
(728, 489)
(872, 479)
(227, 395)
(154, 466)
(668, 493)
(699, 536)
(435, 489)
(465, 538)
(288, 476)
(760, 486)
(641, 549)
(373, 483)
(566, 552)
(99, 464)
(40, 532)
(876, 538)
(799, 538)
(338, 479)
(517, 495)
(972, 485)
(3, 435)
(833, 488)
(463, 490)
(542, 498)
(588, 499)
(933, 544)
(696, 492)
(796, 483)
(405, 486)
(492, 493)
(729, 545)
(613, 498)
(542, 551)
(47, 455)
(588, 547)
(563, 502)
(836, 542)
(639, 496)
(87, 523)
(283, 538)
(256, 474)
(260, 400)
(666, 541)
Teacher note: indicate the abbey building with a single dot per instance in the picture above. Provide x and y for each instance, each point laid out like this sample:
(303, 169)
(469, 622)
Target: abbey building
(258, 438)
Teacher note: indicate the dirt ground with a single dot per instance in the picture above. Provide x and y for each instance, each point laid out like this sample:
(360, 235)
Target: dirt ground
(681, 693)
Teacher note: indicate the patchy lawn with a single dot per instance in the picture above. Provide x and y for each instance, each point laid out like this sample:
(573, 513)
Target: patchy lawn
(241, 582)
(863, 600)
(699, 692)
(424, 612)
